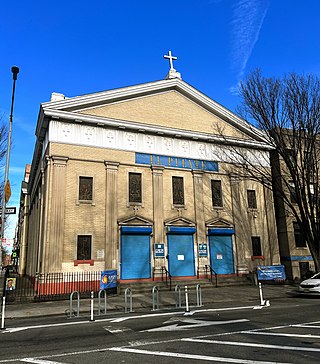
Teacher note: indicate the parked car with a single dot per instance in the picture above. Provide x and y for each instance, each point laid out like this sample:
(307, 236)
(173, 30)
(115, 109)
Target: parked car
(310, 285)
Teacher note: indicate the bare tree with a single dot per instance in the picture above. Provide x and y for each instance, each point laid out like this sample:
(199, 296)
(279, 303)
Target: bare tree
(287, 111)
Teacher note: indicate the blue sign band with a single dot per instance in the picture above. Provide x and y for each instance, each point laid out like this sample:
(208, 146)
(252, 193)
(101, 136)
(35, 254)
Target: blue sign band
(176, 162)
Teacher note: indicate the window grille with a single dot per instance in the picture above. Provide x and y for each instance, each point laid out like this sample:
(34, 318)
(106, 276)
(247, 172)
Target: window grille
(177, 190)
(252, 200)
(85, 188)
(84, 247)
(135, 188)
(216, 193)
(256, 246)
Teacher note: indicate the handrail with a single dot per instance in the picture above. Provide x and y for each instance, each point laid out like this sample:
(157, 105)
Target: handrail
(168, 275)
(212, 271)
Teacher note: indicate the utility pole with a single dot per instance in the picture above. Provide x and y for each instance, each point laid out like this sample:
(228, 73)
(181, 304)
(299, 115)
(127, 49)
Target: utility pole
(6, 187)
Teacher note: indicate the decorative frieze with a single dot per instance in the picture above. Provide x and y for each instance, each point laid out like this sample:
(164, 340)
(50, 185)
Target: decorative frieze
(140, 142)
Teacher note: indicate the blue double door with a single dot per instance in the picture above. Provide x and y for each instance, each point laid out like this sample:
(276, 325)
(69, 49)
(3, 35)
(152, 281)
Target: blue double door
(181, 251)
(221, 250)
(135, 252)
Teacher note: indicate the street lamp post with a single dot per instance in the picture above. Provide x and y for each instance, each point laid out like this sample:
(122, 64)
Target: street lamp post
(15, 71)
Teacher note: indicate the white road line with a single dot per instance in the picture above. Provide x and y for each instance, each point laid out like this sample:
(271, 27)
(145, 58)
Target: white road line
(306, 326)
(266, 346)
(39, 361)
(281, 334)
(22, 328)
(194, 324)
(193, 357)
(121, 319)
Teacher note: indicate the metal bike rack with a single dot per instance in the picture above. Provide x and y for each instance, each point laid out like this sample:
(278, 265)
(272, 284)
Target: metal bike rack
(127, 292)
(177, 291)
(199, 295)
(155, 298)
(71, 304)
(99, 301)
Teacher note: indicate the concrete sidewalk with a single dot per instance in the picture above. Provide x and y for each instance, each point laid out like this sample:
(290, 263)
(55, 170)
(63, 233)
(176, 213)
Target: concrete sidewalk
(229, 296)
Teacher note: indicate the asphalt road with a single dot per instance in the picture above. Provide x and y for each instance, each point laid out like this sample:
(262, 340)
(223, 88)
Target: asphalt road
(286, 332)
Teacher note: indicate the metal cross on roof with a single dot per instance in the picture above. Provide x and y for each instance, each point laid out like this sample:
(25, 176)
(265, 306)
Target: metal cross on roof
(171, 58)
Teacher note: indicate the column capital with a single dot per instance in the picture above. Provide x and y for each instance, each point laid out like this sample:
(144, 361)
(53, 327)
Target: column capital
(112, 165)
(59, 161)
(157, 170)
(197, 173)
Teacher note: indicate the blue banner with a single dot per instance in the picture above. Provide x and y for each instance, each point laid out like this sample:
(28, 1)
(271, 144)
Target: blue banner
(108, 279)
(271, 272)
(176, 162)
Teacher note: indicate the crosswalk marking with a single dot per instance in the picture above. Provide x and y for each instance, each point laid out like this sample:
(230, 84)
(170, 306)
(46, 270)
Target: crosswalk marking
(193, 356)
(266, 346)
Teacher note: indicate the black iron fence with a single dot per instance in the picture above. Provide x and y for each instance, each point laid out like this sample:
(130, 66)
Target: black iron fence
(52, 286)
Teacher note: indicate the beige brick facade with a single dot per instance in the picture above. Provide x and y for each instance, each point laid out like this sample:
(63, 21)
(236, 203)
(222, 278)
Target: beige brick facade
(57, 217)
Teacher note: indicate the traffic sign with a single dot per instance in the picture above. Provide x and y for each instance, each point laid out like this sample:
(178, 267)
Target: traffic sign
(7, 191)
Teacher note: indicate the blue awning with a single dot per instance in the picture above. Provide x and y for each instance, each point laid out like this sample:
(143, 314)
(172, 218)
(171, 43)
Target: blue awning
(141, 230)
(218, 231)
(181, 230)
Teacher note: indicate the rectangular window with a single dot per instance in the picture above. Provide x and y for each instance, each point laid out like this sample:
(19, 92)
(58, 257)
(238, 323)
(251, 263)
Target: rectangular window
(216, 193)
(291, 156)
(252, 200)
(292, 189)
(177, 190)
(84, 247)
(256, 246)
(298, 236)
(85, 188)
(135, 188)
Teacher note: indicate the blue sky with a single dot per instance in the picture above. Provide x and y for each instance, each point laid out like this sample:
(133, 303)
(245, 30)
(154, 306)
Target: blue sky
(79, 47)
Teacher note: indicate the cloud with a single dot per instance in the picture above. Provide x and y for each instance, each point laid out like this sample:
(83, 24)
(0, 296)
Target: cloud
(246, 23)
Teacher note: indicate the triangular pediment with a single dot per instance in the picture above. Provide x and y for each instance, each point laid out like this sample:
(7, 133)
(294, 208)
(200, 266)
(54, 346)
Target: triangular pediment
(179, 221)
(170, 109)
(219, 223)
(164, 104)
(135, 221)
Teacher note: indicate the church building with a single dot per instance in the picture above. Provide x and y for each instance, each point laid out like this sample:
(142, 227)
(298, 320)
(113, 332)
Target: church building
(139, 179)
